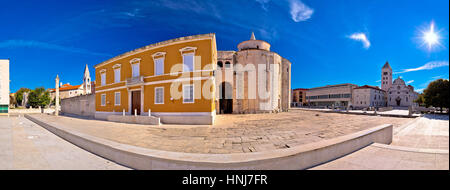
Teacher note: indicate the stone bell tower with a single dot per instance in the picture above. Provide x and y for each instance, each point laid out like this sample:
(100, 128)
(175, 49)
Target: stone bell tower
(386, 77)
(86, 81)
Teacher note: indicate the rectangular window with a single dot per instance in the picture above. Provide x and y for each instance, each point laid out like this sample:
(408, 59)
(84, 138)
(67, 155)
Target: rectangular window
(117, 75)
(188, 62)
(159, 66)
(188, 94)
(103, 99)
(117, 98)
(159, 95)
(135, 70)
(103, 79)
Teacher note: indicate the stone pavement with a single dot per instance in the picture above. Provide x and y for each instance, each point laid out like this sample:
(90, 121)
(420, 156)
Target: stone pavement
(422, 144)
(391, 112)
(375, 157)
(26, 145)
(430, 131)
(232, 133)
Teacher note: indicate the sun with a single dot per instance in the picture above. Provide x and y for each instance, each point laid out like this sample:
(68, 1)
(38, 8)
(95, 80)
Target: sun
(431, 37)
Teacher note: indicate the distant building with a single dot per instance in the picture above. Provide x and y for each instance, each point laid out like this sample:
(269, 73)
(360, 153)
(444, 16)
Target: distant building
(68, 91)
(331, 95)
(386, 77)
(368, 96)
(399, 94)
(4, 86)
(299, 97)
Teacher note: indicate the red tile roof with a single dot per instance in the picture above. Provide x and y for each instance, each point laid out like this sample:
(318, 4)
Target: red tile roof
(300, 89)
(65, 87)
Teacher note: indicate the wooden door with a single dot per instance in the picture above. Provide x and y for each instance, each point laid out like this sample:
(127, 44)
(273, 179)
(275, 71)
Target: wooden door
(136, 102)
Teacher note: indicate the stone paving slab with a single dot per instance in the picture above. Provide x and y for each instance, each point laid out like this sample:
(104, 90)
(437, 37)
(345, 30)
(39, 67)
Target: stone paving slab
(232, 133)
(25, 145)
(422, 144)
(379, 158)
(430, 131)
(385, 113)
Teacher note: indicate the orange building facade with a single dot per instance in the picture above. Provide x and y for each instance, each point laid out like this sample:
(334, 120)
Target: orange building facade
(172, 80)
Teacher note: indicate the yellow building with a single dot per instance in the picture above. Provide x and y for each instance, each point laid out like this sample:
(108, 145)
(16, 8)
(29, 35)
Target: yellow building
(173, 80)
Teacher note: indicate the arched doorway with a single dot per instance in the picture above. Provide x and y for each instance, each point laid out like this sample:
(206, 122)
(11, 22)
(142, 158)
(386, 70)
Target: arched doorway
(398, 100)
(226, 98)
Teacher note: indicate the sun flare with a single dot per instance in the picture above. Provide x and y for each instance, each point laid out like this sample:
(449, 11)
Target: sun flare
(431, 37)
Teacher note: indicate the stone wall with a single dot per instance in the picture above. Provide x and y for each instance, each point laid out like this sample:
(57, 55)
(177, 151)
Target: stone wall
(80, 105)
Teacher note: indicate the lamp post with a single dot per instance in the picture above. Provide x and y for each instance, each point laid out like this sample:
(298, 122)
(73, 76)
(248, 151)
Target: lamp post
(57, 95)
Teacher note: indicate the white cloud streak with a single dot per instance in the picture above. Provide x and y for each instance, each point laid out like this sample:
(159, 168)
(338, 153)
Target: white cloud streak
(263, 3)
(362, 38)
(43, 45)
(420, 90)
(427, 66)
(299, 11)
(409, 82)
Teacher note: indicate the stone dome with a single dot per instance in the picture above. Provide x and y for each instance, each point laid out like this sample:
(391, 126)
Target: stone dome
(253, 43)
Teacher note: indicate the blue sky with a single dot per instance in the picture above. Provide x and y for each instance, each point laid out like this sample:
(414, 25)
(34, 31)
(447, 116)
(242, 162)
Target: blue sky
(327, 41)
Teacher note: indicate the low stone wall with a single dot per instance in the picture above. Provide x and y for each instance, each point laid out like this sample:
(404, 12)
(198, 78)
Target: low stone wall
(146, 120)
(299, 157)
(30, 111)
(383, 109)
(83, 105)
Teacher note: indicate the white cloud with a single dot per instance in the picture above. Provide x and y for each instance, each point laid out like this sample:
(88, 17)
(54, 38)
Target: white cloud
(361, 37)
(420, 90)
(43, 45)
(409, 82)
(427, 66)
(378, 81)
(299, 11)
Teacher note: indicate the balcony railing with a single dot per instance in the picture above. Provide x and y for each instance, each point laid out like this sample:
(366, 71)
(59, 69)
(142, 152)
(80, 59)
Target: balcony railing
(135, 80)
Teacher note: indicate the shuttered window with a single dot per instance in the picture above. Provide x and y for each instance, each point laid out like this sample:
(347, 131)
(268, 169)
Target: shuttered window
(159, 95)
(188, 94)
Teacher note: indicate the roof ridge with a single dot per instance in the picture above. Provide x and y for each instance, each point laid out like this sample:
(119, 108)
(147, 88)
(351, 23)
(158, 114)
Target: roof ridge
(157, 44)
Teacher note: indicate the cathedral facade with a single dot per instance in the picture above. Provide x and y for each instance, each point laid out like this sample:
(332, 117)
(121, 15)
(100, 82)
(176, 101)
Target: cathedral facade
(399, 94)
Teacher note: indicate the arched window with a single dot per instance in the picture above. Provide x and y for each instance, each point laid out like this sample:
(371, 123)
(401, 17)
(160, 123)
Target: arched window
(220, 64)
(227, 64)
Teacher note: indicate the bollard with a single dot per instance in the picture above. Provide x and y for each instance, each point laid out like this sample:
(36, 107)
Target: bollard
(135, 112)
(149, 113)
(123, 112)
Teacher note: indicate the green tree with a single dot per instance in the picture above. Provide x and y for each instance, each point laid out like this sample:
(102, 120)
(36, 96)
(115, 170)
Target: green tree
(437, 94)
(39, 97)
(420, 100)
(19, 95)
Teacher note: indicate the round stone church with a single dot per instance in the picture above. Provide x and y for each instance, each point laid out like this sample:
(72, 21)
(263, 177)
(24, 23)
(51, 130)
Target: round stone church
(252, 79)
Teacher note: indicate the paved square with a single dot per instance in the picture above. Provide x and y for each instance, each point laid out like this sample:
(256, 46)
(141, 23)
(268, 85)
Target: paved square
(232, 133)
(25, 145)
